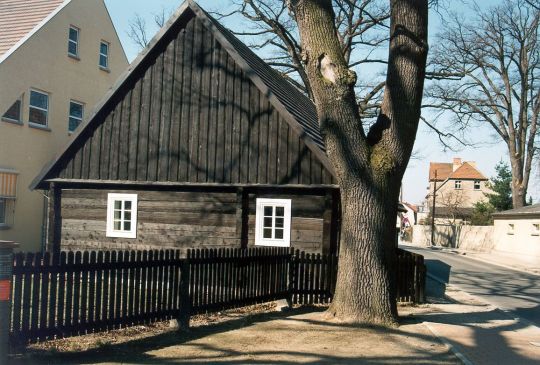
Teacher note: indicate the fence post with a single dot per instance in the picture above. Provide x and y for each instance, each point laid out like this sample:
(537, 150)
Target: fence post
(185, 300)
(6, 275)
(292, 277)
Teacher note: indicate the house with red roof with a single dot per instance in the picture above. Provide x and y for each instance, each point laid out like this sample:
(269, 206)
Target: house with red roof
(57, 58)
(457, 186)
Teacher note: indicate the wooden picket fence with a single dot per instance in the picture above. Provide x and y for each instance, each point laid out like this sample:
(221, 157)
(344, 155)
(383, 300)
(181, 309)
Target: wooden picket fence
(75, 293)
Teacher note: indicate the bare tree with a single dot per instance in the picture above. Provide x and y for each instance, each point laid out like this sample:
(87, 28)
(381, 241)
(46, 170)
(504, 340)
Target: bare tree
(362, 31)
(369, 163)
(139, 32)
(488, 71)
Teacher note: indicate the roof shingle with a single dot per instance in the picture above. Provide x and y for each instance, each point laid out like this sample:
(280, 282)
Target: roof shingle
(20, 17)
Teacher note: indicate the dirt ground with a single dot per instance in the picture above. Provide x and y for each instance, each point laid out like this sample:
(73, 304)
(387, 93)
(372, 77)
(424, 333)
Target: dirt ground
(253, 336)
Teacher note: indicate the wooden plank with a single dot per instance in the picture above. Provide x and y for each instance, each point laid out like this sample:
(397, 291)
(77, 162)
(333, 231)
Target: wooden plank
(36, 281)
(125, 289)
(55, 218)
(116, 141)
(223, 126)
(76, 295)
(187, 95)
(105, 149)
(112, 292)
(145, 287)
(82, 325)
(155, 118)
(195, 112)
(105, 307)
(44, 297)
(62, 299)
(177, 99)
(95, 142)
(17, 302)
(134, 121)
(98, 314)
(138, 307)
(144, 126)
(124, 136)
(253, 131)
(213, 106)
(265, 113)
(164, 151)
(132, 286)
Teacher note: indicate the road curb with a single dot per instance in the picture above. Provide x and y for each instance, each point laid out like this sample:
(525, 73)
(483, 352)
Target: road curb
(449, 345)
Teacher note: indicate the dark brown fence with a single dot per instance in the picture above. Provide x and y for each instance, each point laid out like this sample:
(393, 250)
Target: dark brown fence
(76, 293)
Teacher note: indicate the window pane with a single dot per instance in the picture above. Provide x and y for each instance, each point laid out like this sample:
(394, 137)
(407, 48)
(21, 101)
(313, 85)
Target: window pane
(127, 205)
(72, 48)
(75, 110)
(73, 34)
(117, 214)
(73, 124)
(117, 204)
(267, 233)
(268, 211)
(279, 234)
(268, 222)
(280, 222)
(38, 116)
(117, 225)
(103, 61)
(127, 226)
(14, 111)
(104, 48)
(280, 211)
(127, 215)
(39, 100)
(2, 211)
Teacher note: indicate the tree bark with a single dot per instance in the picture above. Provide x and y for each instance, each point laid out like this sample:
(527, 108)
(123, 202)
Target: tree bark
(369, 167)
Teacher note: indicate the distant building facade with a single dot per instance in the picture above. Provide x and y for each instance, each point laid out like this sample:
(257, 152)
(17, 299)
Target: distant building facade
(458, 186)
(57, 59)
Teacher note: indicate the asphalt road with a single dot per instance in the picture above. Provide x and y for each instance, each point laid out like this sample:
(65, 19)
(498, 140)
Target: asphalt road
(507, 289)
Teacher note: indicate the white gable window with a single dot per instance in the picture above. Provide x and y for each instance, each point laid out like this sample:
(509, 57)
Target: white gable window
(457, 184)
(73, 41)
(38, 108)
(273, 222)
(104, 55)
(122, 215)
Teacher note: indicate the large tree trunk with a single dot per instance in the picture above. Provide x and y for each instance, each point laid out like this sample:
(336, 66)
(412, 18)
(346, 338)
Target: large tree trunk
(519, 186)
(369, 168)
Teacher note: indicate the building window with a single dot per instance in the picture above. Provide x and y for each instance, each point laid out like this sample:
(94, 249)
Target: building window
(39, 108)
(76, 111)
(273, 222)
(3, 220)
(13, 114)
(536, 229)
(122, 215)
(73, 41)
(104, 55)
(476, 184)
(511, 228)
(457, 184)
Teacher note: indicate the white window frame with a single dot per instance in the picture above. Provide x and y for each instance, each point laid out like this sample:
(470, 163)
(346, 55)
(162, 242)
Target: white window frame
(259, 222)
(70, 116)
(46, 110)
(535, 229)
(111, 199)
(457, 184)
(477, 183)
(3, 209)
(511, 228)
(76, 55)
(103, 54)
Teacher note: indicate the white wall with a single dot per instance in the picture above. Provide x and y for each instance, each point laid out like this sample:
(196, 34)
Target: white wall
(467, 238)
(523, 241)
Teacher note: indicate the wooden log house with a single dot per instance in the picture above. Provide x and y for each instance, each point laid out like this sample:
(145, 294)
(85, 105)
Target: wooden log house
(199, 144)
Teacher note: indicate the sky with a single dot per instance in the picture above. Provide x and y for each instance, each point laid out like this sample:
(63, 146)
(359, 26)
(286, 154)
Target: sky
(487, 153)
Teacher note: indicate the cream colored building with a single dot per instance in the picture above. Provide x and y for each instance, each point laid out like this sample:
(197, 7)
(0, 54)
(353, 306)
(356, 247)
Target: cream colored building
(57, 59)
(517, 233)
(459, 186)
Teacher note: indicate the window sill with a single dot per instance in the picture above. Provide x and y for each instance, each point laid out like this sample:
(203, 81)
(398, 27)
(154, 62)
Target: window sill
(105, 69)
(75, 57)
(535, 234)
(4, 227)
(12, 121)
(39, 126)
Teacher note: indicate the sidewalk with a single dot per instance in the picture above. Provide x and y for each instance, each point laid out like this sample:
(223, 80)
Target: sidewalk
(479, 333)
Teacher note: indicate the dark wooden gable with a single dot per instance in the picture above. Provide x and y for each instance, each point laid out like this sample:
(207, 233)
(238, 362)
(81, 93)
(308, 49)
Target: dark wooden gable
(190, 113)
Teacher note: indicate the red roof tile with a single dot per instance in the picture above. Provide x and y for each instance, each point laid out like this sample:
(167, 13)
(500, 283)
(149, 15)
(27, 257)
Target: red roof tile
(467, 171)
(443, 170)
(19, 17)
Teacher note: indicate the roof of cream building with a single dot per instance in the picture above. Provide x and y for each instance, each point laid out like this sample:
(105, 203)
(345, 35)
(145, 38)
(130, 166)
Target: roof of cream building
(446, 171)
(530, 210)
(19, 18)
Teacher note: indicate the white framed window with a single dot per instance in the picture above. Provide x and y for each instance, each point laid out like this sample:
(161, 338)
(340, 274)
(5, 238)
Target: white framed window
(104, 55)
(535, 229)
(73, 41)
(38, 108)
(476, 184)
(122, 215)
(457, 184)
(13, 114)
(510, 228)
(76, 113)
(273, 222)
